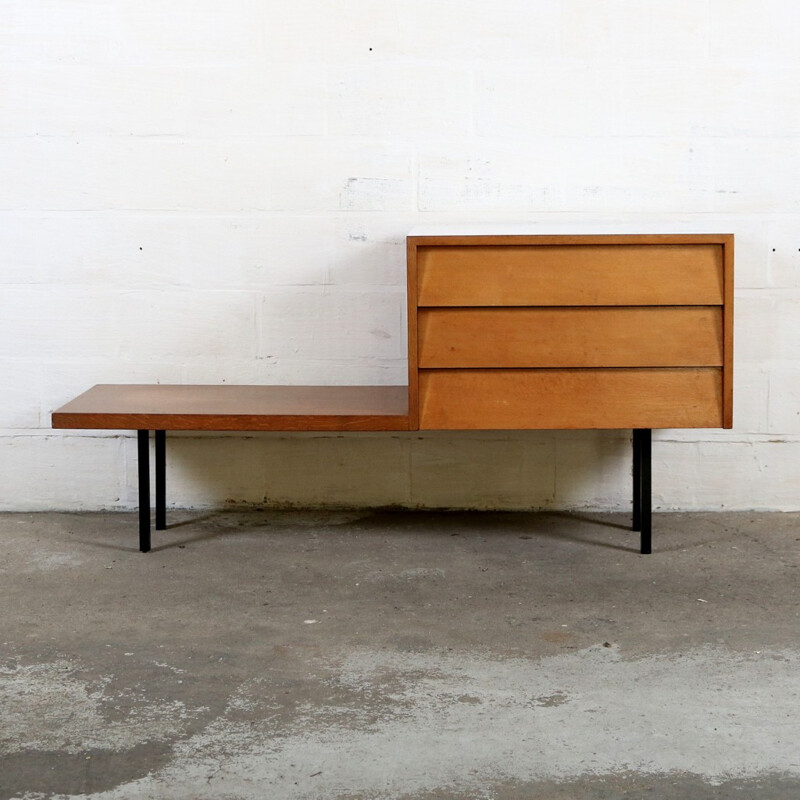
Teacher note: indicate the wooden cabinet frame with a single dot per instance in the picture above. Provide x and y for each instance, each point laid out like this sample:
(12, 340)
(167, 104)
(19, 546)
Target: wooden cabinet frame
(673, 291)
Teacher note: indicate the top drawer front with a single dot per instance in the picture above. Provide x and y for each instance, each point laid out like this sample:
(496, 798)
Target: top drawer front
(563, 275)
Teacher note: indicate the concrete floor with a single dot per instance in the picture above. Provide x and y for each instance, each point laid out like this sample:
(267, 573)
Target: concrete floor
(391, 655)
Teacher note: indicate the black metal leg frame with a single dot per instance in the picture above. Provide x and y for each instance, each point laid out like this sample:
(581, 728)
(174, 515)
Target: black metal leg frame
(642, 481)
(144, 486)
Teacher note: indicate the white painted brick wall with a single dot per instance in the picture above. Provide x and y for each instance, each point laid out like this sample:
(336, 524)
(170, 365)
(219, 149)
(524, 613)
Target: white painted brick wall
(206, 191)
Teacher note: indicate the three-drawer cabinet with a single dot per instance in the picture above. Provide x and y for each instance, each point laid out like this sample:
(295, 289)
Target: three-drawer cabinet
(605, 331)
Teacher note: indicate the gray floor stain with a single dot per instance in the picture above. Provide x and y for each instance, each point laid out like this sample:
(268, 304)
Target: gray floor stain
(46, 707)
(451, 657)
(43, 774)
(402, 727)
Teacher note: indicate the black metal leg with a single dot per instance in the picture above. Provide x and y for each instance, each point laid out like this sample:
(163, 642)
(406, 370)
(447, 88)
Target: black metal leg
(637, 480)
(646, 489)
(161, 480)
(143, 448)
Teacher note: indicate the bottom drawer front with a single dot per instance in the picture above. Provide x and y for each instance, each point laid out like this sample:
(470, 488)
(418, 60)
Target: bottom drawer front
(490, 399)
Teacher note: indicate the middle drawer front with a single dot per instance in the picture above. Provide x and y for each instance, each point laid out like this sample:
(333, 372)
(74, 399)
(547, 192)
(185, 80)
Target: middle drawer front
(679, 336)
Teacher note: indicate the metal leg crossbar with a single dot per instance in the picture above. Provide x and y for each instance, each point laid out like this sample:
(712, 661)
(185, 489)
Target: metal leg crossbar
(642, 483)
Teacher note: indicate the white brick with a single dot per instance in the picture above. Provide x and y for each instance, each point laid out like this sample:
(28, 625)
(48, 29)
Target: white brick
(208, 471)
(128, 324)
(656, 175)
(754, 32)
(367, 176)
(295, 370)
(20, 399)
(755, 329)
(201, 100)
(27, 253)
(165, 250)
(538, 98)
(593, 469)
(779, 487)
(232, 370)
(370, 249)
(629, 29)
(472, 30)
(41, 322)
(93, 249)
(311, 324)
(784, 399)
(346, 470)
(751, 175)
(702, 98)
(398, 99)
(280, 470)
(750, 397)
(781, 246)
(256, 251)
(135, 173)
(182, 324)
(200, 31)
(767, 326)
(751, 251)
(54, 32)
(61, 472)
(333, 31)
(788, 326)
(482, 471)
(316, 174)
(709, 475)
(601, 175)
(504, 177)
(725, 475)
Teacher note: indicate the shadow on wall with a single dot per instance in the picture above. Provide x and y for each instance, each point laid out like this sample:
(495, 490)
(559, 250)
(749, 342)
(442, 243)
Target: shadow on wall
(504, 471)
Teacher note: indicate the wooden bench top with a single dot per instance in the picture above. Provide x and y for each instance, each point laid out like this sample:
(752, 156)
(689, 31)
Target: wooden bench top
(237, 408)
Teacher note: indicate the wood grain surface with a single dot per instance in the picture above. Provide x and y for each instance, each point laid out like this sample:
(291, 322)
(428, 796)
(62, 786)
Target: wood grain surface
(570, 337)
(558, 275)
(656, 366)
(727, 335)
(237, 408)
(496, 399)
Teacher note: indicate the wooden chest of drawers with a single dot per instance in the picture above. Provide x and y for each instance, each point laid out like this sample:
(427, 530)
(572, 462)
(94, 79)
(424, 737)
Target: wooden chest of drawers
(588, 331)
